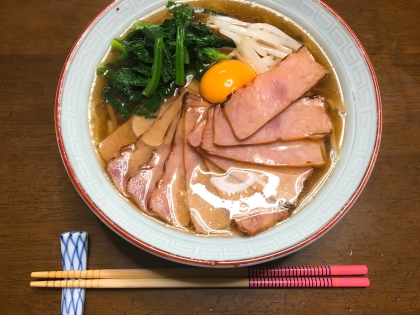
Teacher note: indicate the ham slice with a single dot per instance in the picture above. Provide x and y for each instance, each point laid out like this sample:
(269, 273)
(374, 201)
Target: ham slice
(122, 167)
(253, 224)
(290, 186)
(290, 180)
(271, 92)
(206, 218)
(213, 168)
(197, 134)
(293, 153)
(141, 185)
(304, 119)
(193, 99)
(253, 198)
(169, 199)
(194, 137)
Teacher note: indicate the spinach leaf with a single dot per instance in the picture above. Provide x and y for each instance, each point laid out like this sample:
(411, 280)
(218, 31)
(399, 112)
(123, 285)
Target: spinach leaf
(156, 69)
(139, 51)
(125, 81)
(209, 53)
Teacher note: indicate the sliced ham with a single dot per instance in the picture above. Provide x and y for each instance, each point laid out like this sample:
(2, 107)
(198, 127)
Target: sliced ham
(197, 134)
(290, 184)
(293, 153)
(169, 199)
(254, 199)
(141, 185)
(213, 168)
(194, 137)
(122, 167)
(253, 224)
(206, 218)
(193, 99)
(271, 92)
(306, 118)
(290, 180)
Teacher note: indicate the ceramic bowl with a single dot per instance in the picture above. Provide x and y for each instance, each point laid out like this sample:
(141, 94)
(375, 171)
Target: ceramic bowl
(332, 202)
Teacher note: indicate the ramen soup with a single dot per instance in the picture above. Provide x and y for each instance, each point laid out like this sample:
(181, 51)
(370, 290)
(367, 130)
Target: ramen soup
(237, 137)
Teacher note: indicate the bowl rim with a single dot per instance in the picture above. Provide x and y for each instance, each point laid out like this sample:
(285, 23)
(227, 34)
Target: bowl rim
(200, 262)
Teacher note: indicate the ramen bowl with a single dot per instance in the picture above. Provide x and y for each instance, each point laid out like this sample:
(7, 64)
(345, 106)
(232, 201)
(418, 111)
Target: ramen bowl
(333, 200)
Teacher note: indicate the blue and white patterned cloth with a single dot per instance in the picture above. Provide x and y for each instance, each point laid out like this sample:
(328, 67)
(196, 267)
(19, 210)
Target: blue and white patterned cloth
(73, 257)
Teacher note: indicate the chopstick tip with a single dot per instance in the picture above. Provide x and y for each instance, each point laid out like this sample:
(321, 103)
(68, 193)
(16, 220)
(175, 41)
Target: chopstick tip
(39, 274)
(36, 284)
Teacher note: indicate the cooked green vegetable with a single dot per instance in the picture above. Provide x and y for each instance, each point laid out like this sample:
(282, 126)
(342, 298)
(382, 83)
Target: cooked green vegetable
(106, 71)
(176, 5)
(116, 44)
(153, 59)
(125, 82)
(211, 53)
(156, 68)
(108, 95)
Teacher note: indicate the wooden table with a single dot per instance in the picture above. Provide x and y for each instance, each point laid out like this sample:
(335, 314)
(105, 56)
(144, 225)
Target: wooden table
(38, 202)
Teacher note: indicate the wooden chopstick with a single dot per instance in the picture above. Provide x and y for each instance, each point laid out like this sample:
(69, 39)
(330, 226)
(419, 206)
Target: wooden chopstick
(143, 273)
(266, 272)
(289, 282)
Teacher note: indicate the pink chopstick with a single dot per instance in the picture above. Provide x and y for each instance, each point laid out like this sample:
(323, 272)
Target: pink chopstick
(308, 282)
(308, 271)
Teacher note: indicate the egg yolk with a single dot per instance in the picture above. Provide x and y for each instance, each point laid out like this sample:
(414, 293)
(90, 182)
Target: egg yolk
(223, 78)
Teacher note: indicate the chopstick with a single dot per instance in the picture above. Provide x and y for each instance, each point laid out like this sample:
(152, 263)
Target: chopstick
(266, 272)
(251, 277)
(282, 282)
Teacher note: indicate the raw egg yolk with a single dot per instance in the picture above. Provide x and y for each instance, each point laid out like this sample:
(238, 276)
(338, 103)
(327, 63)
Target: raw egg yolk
(223, 78)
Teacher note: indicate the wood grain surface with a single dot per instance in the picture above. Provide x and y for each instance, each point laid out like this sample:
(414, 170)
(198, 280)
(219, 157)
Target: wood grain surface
(38, 201)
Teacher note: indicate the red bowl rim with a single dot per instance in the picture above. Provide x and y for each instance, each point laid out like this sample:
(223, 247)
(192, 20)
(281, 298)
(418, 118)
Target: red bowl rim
(198, 262)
